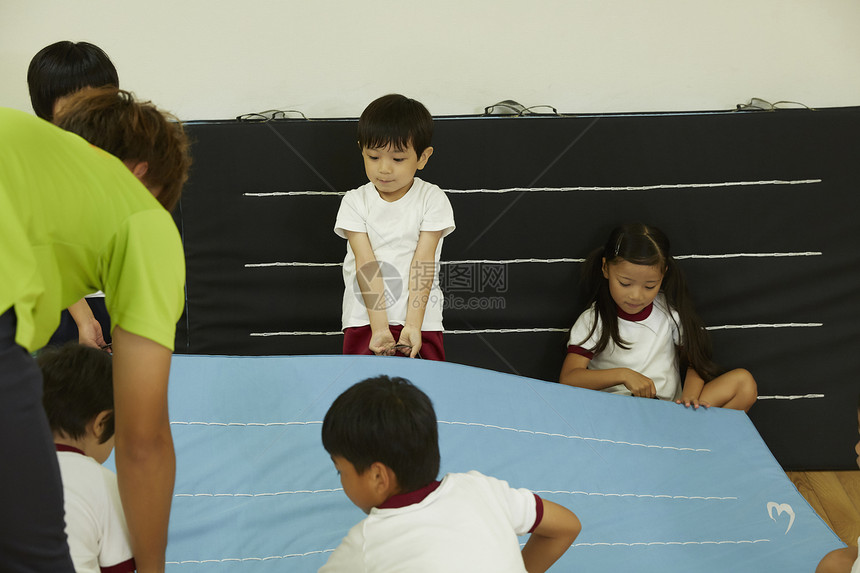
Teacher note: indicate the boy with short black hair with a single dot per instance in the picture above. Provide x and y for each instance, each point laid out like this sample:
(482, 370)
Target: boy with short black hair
(395, 225)
(383, 439)
(63, 68)
(78, 400)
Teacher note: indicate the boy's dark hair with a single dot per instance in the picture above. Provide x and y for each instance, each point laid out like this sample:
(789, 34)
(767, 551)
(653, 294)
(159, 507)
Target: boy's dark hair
(397, 121)
(78, 386)
(385, 420)
(63, 68)
(643, 244)
(111, 118)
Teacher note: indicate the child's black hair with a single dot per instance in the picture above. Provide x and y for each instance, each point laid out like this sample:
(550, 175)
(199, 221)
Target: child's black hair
(643, 244)
(397, 121)
(78, 386)
(385, 420)
(63, 68)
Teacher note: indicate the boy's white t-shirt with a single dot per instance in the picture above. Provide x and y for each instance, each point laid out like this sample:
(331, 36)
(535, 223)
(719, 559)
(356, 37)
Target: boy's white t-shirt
(393, 229)
(95, 524)
(469, 523)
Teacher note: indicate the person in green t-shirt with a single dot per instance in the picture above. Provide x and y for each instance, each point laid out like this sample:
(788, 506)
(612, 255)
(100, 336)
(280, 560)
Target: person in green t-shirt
(75, 219)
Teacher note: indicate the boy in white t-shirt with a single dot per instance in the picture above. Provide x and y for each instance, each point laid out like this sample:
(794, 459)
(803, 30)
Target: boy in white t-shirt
(843, 560)
(395, 225)
(383, 439)
(78, 399)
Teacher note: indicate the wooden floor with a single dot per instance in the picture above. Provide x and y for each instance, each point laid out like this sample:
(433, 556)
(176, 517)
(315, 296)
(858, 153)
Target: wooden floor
(835, 496)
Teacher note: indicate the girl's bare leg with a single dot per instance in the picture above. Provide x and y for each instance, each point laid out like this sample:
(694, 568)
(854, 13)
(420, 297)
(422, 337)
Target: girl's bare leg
(735, 389)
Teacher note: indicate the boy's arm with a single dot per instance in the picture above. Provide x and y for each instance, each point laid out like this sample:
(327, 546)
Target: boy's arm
(145, 460)
(575, 372)
(372, 292)
(89, 330)
(422, 273)
(551, 538)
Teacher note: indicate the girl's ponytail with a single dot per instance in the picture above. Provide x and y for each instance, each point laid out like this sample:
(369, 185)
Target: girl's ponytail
(597, 292)
(696, 344)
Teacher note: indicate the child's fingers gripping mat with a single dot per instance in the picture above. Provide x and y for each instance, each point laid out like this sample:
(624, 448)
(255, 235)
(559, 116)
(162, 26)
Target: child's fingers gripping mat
(657, 487)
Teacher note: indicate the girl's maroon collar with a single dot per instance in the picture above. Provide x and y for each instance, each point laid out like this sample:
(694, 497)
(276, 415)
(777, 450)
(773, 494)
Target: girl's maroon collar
(639, 316)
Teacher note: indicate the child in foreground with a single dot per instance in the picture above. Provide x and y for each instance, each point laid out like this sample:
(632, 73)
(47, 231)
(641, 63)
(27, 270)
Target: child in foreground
(395, 226)
(382, 437)
(639, 322)
(78, 399)
(843, 560)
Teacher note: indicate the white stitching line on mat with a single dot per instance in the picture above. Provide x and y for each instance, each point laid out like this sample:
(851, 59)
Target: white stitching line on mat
(588, 493)
(799, 397)
(241, 559)
(641, 495)
(547, 261)
(536, 330)
(598, 544)
(777, 325)
(550, 435)
(567, 189)
(643, 543)
(244, 423)
(258, 494)
(641, 187)
(474, 424)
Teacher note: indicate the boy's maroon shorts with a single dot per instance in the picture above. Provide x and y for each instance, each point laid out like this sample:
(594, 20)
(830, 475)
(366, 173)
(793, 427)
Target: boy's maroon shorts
(357, 338)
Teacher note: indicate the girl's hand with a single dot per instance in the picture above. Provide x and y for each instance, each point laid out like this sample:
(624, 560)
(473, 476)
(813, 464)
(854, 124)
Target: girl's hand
(638, 384)
(410, 339)
(688, 401)
(382, 343)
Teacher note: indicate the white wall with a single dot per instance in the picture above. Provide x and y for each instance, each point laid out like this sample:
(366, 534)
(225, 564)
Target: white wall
(209, 59)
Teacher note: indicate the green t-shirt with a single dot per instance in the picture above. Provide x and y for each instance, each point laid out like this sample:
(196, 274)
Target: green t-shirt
(74, 220)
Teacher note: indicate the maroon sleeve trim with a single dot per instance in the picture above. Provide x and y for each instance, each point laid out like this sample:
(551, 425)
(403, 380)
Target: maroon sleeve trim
(538, 511)
(124, 567)
(574, 349)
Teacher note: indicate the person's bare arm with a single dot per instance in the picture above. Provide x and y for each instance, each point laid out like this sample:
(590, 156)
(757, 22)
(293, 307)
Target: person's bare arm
(89, 330)
(575, 372)
(692, 392)
(551, 538)
(372, 286)
(145, 460)
(422, 273)
(838, 561)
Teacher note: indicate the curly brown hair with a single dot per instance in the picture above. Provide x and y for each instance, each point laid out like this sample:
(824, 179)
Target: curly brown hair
(111, 118)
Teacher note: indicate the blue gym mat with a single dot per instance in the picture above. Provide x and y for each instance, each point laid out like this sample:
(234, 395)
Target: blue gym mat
(658, 488)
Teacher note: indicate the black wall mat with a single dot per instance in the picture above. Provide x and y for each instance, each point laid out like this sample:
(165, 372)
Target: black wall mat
(761, 207)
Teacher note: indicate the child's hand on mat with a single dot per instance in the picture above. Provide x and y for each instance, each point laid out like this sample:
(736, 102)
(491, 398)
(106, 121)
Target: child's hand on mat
(688, 401)
(381, 342)
(411, 337)
(638, 384)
